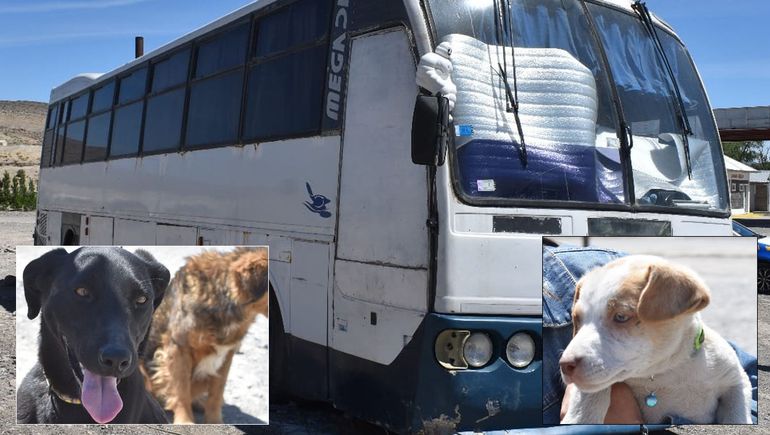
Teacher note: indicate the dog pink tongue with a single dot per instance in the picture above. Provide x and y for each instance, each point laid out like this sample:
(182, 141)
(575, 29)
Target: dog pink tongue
(100, 396)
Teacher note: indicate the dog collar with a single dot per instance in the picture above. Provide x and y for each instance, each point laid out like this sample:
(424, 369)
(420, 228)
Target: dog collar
(63, 397)
(700, 337)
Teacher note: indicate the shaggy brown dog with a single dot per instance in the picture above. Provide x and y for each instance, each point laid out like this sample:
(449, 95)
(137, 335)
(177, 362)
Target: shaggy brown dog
(196, 330)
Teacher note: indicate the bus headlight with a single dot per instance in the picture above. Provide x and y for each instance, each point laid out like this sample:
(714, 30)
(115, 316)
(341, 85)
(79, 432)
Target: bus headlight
(477, 349)
(520, 350)
(449, 349)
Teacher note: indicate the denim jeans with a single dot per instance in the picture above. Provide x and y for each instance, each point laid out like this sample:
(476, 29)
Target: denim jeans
(562, 268)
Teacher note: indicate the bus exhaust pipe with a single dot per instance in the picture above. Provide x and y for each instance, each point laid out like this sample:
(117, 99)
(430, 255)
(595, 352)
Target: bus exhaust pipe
(138, 46)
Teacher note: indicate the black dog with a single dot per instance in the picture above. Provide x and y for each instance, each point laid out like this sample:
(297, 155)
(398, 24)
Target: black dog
(96, 305)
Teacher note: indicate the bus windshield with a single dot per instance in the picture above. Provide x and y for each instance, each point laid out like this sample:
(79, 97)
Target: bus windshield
(569, 147)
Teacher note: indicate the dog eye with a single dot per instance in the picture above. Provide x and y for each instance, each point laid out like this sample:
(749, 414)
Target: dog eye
(141, 299)
(621, 318)
(80, 291)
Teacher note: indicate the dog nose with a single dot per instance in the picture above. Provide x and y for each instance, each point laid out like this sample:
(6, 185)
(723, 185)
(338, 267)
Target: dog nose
(568, 365)
(115, 360)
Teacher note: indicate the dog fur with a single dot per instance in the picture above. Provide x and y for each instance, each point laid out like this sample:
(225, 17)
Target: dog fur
(636, 318)
(95, 307)
(209, 306)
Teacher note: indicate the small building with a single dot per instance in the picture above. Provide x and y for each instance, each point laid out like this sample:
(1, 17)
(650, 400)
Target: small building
(748, 187)
(759, 193)
(739, 177)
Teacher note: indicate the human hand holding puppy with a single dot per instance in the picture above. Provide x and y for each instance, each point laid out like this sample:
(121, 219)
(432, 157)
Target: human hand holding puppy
(636, 321)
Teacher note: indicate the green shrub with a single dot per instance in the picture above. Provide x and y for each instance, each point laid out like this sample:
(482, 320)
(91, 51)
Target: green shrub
(17, 193)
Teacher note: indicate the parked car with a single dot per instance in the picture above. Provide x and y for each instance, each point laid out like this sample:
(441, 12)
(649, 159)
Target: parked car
(763, 255)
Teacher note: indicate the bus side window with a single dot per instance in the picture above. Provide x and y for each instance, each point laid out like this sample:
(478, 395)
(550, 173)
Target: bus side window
(127, 120)
(213, 114)
(285, 95)
(126, 125)
(98, 137)
(223, 51)
(302, 22)
(98, 130)
(165, 106)
(73, 143)
(103, 98)
(287, 71)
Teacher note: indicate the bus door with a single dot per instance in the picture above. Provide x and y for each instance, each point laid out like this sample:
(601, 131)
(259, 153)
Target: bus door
(381, 260)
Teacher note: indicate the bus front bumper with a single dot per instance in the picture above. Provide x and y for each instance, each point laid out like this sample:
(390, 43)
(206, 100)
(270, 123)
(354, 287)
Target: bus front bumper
(494, 397)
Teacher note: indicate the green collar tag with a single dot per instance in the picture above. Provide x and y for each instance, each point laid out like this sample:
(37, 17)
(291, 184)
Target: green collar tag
(699, 338)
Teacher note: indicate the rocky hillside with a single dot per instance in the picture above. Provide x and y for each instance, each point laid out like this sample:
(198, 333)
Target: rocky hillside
(22, 122)
(21, 135)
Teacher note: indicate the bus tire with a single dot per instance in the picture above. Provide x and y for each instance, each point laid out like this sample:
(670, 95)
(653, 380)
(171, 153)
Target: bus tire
(763, 278)
(277, 352)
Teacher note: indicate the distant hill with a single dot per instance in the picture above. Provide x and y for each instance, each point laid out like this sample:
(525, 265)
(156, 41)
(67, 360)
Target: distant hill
(21, 128)
(22, 122)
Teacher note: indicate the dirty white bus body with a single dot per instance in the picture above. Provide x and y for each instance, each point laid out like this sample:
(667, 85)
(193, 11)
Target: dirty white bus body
(406, 294)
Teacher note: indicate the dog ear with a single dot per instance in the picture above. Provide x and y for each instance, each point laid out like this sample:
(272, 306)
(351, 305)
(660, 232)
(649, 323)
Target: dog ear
(249, 271)
(38, 277)
(574, 301)
(158, 273)
(670, 292)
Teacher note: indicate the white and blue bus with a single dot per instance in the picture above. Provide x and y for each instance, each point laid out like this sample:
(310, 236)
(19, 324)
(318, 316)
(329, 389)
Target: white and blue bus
(404, 227)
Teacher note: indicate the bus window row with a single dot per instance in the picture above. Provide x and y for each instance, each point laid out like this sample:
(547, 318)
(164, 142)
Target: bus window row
(255, 80)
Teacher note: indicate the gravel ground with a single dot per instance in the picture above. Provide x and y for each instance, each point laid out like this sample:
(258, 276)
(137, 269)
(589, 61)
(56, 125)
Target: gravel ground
(246, 392)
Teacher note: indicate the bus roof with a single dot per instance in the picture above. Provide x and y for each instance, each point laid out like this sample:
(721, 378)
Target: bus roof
(83, 81)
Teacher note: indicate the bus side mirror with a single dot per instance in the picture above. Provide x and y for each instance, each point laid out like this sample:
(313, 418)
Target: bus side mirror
(430, 134)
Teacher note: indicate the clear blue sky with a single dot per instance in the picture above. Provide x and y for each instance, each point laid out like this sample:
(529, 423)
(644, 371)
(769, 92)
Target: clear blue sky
(45, 42)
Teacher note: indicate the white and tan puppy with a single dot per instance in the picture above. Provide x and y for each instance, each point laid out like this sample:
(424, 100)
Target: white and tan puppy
(636, 321)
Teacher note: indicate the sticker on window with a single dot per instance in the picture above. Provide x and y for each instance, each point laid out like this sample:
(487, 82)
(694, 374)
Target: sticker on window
(463, 130)
(485, 185)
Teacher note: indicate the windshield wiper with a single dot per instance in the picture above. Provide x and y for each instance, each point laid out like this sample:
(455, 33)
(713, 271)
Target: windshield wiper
(503, 28)
(644, 14)
(625, 135)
